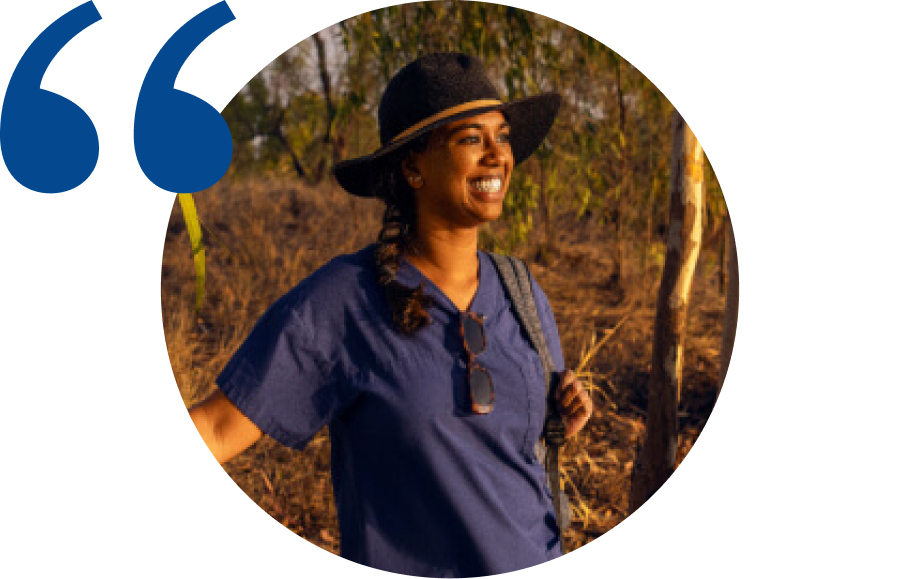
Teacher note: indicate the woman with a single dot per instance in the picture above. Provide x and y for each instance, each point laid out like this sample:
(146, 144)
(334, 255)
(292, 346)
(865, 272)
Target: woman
(433, 464)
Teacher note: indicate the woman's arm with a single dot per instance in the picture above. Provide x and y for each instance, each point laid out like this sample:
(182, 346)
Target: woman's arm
(225, 430)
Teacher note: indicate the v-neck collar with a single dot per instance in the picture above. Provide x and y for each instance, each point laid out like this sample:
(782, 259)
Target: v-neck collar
(408, 274)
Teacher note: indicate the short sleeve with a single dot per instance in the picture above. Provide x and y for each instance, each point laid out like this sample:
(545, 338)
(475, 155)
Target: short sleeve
(548, 325)
(283, 377)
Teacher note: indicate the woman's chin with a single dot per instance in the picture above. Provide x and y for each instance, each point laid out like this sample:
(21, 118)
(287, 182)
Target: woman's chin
(497, 211)
(488, 211)
(488, 197)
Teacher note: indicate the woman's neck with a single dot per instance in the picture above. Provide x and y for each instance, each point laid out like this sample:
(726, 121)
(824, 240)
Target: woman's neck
(447, 257)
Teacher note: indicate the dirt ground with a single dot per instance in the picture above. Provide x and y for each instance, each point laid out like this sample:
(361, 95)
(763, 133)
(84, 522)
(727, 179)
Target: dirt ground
(262, 237)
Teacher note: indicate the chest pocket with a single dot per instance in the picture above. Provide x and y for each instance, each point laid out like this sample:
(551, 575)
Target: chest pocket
(519, 384)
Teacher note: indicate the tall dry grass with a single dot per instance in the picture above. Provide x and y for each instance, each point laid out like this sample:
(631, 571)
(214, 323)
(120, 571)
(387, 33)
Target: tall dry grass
(264, 236)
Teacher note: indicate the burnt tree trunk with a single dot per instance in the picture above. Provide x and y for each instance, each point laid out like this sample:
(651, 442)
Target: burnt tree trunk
(657, 456)
(729, 324)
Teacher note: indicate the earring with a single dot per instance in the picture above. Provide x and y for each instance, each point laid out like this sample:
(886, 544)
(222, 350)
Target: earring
(415, 180)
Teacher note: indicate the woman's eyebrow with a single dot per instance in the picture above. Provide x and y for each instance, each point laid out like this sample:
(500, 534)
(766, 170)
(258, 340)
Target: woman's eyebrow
(477, 126)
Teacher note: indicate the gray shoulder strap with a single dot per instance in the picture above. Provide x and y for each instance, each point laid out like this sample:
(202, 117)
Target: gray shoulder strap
(517, 281)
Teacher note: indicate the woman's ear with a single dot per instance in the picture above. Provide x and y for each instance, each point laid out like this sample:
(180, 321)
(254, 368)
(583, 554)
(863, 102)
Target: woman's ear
(411, 173)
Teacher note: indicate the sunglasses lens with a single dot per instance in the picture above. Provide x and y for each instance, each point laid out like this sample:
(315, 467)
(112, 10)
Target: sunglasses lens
(473, 334)
(482, 390)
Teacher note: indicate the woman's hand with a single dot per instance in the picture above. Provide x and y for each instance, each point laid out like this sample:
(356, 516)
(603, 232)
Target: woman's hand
(573, 402)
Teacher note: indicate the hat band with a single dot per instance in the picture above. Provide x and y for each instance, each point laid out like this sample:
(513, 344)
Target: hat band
(447, 113)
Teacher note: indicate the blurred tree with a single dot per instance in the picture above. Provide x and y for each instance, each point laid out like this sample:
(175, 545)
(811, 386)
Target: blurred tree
(656, 458)
(731, 309)
(257, 117)
(605, 158)
(624, 192)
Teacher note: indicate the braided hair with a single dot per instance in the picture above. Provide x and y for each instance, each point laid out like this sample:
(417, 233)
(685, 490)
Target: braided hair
(409, 306)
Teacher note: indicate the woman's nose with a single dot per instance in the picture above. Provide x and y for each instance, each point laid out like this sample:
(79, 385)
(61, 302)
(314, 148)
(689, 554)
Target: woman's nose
(495, 150)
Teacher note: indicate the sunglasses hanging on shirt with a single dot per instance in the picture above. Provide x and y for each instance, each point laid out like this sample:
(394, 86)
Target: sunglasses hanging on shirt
(481, 387)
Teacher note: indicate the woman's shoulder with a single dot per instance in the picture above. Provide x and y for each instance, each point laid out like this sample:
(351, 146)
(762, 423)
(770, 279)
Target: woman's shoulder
(343, 279)
(540, 298)
(343, 269)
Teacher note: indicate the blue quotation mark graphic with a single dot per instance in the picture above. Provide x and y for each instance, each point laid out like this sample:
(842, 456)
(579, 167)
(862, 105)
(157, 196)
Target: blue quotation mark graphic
(183, 144)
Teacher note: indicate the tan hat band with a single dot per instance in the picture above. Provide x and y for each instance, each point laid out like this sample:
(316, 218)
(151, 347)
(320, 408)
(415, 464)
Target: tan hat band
(447, 113)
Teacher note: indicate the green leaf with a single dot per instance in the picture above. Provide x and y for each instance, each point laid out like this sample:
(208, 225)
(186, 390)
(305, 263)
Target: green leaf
(192, 222)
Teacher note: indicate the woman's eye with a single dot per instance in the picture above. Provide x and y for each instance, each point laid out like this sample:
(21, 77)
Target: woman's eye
(475, 139)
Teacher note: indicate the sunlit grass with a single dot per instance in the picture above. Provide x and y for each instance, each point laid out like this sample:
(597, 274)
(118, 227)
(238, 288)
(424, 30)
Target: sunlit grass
(263, 236)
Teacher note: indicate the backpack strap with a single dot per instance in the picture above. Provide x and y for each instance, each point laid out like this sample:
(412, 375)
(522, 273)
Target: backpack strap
(517, 281)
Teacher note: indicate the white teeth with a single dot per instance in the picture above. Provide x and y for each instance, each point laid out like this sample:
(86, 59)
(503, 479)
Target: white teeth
(488, 185)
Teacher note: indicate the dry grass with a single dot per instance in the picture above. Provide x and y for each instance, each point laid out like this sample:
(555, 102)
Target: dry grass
(263, 237)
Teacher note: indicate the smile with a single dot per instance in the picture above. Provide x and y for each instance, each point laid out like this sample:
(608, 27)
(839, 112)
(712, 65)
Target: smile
(487, 184)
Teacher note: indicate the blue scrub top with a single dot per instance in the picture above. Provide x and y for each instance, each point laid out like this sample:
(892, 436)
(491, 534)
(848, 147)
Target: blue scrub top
(422, 486)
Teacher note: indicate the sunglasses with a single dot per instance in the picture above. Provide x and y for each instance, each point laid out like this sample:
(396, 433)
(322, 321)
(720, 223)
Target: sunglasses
(481, 387)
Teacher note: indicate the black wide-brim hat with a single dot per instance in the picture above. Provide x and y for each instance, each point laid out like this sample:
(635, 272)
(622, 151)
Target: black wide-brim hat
(437, 89)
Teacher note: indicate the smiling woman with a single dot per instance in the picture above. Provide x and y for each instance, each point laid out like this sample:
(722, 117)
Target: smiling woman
(458, 181)
(411, 350)
(462, 177)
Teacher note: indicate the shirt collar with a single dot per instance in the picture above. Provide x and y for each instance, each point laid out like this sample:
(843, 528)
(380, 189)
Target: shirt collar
(486, 297)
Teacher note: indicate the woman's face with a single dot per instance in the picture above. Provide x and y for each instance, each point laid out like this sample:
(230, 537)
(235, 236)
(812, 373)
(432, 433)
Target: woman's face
(463, 174)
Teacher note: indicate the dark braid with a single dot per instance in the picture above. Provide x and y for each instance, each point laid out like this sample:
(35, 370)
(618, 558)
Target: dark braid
(409, 306)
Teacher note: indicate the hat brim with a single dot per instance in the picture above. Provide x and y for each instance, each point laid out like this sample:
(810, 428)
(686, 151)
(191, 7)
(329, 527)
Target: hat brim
(530, 120)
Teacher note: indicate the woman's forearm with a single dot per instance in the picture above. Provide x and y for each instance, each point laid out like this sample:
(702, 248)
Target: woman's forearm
(204, 424)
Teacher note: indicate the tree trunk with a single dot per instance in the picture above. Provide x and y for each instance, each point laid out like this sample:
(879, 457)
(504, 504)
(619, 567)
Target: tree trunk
(295, 160)
(723, 251)
(625, 189)
(656, 458)
(729, 324)
(276, 131)
(326, 84)
(544, 200)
